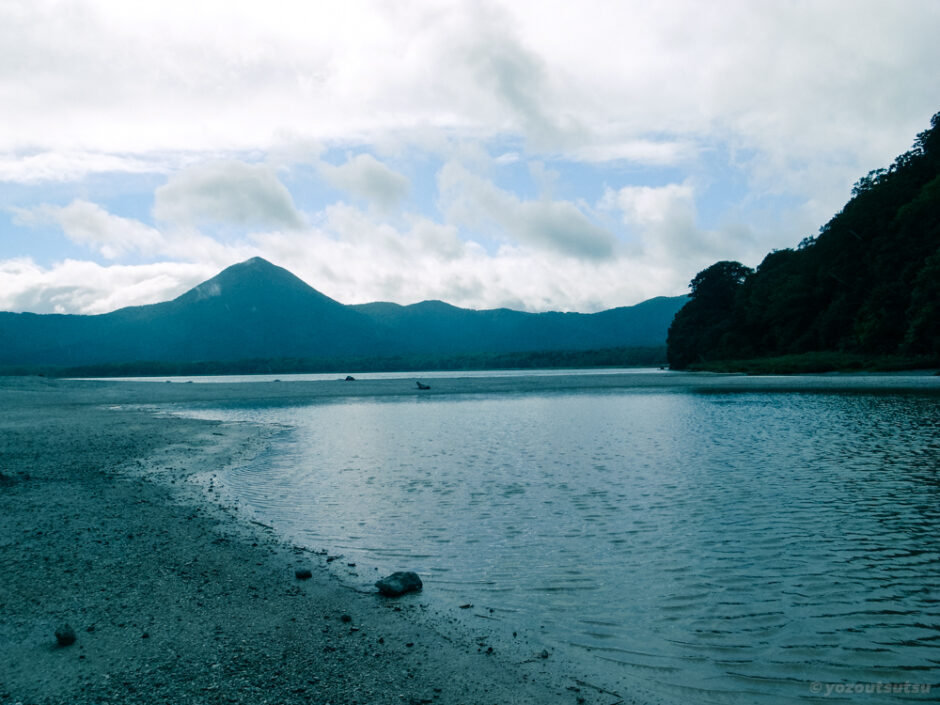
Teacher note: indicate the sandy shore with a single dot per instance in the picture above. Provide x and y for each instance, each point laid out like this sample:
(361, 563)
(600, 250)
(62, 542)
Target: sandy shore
(174, 600)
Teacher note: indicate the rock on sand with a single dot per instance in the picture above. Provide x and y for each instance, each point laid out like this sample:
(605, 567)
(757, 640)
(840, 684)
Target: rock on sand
(399, 583)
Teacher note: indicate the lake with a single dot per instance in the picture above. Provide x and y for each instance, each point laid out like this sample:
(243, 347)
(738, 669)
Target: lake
(695, 546)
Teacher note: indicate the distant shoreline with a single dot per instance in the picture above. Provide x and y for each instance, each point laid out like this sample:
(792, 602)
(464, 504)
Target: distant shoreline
(300, 392)
(653, 356)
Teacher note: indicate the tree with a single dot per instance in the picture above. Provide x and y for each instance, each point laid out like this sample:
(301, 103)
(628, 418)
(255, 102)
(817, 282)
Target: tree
(868, 284)
(703, 328)
(923, 334)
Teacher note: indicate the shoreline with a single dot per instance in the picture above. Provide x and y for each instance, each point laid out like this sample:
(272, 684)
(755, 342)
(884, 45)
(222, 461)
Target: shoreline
(101, 527)
(288, 391)
(176, 599)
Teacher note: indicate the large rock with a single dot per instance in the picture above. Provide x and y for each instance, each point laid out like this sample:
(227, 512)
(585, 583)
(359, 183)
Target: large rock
(399, 583)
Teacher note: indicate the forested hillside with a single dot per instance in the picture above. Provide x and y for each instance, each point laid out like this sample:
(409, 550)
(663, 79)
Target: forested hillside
(868, 284)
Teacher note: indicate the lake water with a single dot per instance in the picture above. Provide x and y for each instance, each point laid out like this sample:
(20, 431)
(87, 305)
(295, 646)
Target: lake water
(743, 547)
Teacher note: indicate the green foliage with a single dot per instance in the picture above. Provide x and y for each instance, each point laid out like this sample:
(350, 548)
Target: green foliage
(866, 285)
(704, 328)
(923, 333)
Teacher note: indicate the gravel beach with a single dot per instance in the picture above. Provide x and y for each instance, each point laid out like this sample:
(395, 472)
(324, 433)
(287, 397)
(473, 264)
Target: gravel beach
(173, 599)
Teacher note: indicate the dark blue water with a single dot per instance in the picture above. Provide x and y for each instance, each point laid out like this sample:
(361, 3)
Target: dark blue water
(707, 548)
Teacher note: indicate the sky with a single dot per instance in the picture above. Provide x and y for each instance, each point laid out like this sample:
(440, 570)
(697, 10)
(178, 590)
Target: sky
(534, 155)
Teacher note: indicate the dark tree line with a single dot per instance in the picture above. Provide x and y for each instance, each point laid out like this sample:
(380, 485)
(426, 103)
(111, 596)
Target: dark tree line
(605, 357)
(869, 283)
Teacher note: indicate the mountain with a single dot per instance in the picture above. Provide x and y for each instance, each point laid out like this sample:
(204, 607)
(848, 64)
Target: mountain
(257, 310)
(867, 286)
(250, 310)
(439, 328)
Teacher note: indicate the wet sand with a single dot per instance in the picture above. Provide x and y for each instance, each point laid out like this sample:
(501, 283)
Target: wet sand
(176, 600)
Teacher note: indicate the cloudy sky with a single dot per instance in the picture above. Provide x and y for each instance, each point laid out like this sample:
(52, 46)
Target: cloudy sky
(537, 155)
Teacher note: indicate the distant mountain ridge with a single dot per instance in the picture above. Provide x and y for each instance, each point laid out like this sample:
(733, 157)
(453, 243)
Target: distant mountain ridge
(256, 309)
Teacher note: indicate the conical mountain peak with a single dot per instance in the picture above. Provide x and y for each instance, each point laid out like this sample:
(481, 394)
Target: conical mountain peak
(255, 278)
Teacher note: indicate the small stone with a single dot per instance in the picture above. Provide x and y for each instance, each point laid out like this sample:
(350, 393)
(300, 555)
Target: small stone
(65, 635)
(350, 378)
(466, 606)
(345, 618)
(399, 583)
(303, 574)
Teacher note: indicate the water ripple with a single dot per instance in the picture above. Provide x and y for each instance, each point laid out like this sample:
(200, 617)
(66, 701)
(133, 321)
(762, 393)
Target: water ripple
(713, 548)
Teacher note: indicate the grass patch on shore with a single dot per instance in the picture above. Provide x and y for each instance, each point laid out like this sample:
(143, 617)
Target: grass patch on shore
(818, 362)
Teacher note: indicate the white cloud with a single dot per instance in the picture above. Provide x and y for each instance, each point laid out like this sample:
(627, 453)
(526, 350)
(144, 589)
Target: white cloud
(507, 158)
(115, 237)
(473, 201)
(795, 99)
(356, 258)
(366, 177)
(89, 224)
(71, 166)
(663, 222)
(642, 151)
(86, 287)
(646, 205)
(512, 80)
(598, 79)
(228, 192)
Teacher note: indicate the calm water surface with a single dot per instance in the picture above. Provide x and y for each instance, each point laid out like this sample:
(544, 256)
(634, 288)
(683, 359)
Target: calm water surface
(707, 548)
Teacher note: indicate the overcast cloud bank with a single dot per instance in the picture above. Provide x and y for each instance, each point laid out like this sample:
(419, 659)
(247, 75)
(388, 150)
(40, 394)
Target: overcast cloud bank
(571, 158)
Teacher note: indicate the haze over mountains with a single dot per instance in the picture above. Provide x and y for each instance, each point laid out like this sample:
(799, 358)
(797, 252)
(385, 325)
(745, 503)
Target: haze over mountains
(257, 310)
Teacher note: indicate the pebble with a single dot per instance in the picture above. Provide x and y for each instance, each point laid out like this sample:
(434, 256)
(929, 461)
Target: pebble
(65, 635)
